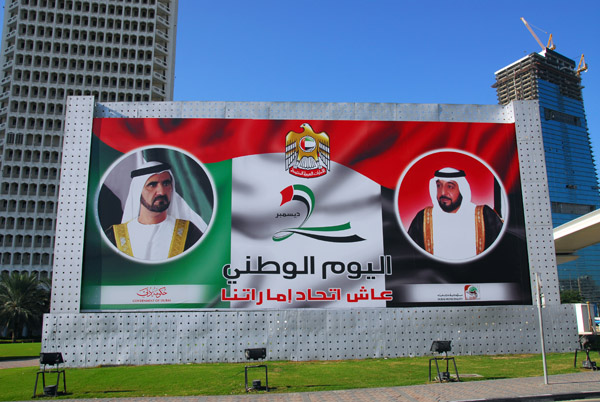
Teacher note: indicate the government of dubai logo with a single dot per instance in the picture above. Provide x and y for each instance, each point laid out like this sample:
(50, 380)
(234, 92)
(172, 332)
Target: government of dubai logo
(471, 292)
(303, 194)
(307, 153)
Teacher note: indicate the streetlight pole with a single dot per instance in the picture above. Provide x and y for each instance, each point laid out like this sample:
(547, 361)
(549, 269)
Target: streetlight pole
(539, 305)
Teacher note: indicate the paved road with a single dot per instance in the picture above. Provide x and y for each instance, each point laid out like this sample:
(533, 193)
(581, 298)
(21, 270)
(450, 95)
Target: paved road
(562, 387)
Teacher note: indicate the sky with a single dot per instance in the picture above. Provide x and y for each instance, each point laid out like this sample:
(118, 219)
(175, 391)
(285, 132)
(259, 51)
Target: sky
(395, 51)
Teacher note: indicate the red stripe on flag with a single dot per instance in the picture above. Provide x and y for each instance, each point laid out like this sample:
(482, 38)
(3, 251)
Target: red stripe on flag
(286, 195)
(380, 150)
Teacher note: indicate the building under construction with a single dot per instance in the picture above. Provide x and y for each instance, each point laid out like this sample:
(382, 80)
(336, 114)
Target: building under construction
(554, 81)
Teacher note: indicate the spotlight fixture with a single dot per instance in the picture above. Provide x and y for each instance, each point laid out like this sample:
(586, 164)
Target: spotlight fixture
(587, 343)
(256, 354)
(51, 362)
(442, 347)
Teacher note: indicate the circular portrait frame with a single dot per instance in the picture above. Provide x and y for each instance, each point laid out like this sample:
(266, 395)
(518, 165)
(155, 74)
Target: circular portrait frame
(109, 200)
(412, 193)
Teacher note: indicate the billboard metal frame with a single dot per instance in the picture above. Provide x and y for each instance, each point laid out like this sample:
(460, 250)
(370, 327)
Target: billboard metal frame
(91, 339)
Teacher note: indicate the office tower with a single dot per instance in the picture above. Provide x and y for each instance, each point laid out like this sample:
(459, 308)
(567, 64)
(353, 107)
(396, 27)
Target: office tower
(553, 80)
(115, 50)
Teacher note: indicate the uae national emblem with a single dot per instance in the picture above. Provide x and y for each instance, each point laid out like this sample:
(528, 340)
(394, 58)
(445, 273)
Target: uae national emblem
(307, 153)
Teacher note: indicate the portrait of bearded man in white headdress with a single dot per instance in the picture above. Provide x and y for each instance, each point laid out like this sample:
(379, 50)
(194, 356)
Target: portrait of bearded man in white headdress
(157, 223)
(454, 228)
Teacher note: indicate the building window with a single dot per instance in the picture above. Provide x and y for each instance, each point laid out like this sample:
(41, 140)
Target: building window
(561, 117)
(574, 209)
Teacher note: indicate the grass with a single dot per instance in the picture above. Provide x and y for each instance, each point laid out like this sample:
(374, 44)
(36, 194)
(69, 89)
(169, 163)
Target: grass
(10, 351)
(228, 378)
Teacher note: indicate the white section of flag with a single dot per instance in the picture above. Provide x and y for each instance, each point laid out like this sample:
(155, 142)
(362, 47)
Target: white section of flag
(342, 195)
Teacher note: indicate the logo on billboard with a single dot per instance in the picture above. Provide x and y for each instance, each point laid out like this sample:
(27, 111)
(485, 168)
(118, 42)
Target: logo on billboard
(153, 292)
(471, 292)
(303, 194)
(307, 153)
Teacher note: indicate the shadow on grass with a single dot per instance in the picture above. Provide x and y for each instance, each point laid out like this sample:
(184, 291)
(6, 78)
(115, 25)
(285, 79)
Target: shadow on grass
(13, 358)
(58, 394)
(261, 390)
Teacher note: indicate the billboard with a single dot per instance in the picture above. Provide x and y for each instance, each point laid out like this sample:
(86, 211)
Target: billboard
(275, 214)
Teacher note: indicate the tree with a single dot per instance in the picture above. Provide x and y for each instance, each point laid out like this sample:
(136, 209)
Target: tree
(570, 296)
(23, 301)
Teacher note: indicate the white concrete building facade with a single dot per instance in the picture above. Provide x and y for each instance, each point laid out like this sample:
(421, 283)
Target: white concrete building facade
(114, 50)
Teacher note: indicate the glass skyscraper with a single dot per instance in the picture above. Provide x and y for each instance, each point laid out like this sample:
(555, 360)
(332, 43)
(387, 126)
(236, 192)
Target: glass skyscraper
(552, 79)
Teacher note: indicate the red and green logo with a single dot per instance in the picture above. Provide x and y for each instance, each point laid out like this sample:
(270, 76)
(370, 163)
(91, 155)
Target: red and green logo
(304, 195)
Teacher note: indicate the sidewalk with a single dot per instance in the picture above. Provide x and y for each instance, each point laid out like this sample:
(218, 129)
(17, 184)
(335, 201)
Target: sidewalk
(20, 362)
(561, 387)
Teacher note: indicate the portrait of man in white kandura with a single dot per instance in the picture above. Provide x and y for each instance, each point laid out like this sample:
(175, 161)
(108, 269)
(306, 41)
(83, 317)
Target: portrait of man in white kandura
(454, 228)
(157, 223)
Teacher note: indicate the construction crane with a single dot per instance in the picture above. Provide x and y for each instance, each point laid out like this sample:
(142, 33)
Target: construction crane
(582, 65)
(550, 44)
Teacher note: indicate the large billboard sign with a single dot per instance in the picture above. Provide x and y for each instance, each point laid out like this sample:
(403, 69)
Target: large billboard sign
(275, 214)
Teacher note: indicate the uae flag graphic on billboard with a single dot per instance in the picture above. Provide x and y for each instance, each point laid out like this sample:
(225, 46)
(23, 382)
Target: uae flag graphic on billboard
(240, 213)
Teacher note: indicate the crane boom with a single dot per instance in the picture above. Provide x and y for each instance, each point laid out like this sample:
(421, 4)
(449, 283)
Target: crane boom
(533, 33)
(550, 44)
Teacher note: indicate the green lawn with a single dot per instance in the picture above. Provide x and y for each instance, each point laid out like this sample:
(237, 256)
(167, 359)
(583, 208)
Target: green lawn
(19, 350)
(228, 378)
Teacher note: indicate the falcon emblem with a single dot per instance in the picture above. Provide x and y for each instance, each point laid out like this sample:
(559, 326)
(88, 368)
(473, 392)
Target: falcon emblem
(307, 153)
